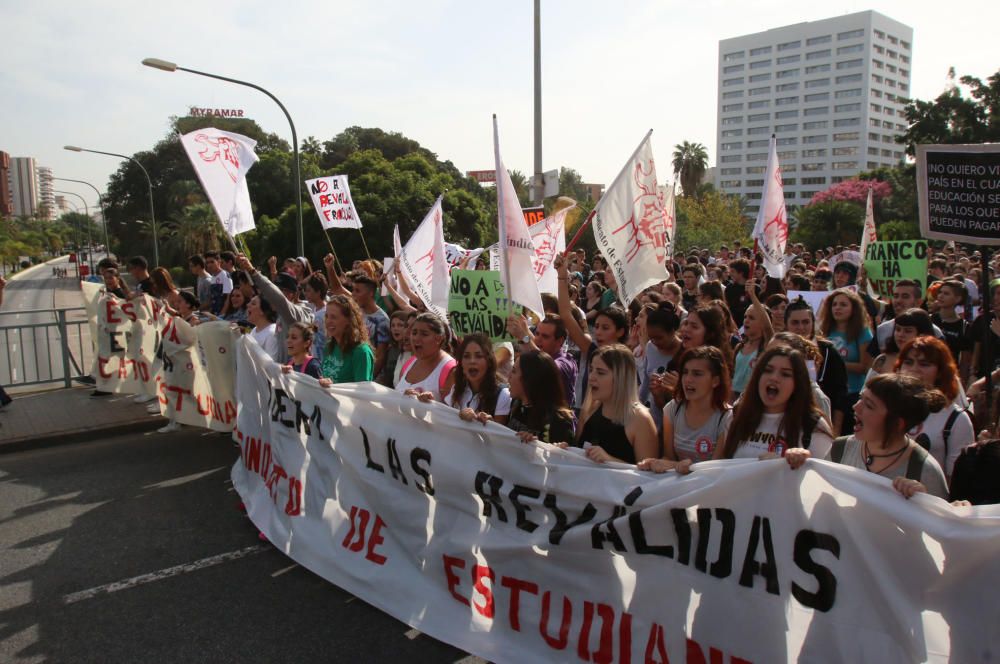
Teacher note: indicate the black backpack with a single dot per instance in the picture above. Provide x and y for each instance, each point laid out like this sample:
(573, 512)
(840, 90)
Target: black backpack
(976, 476)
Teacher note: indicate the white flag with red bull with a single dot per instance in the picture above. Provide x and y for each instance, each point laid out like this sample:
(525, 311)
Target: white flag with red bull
(331, 197)
(869, 234)
(517, 250)
(770, 233)
(221, 160)
(630, 225)
(549, 238)
(423, 263)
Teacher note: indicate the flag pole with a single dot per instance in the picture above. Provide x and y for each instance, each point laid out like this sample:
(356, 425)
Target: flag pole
(501, 218)
(363, 243)
(332, 250)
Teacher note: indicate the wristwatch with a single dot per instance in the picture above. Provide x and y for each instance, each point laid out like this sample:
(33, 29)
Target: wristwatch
(526, 339)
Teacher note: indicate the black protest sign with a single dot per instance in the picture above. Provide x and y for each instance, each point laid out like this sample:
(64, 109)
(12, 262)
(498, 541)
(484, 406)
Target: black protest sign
(958, 192)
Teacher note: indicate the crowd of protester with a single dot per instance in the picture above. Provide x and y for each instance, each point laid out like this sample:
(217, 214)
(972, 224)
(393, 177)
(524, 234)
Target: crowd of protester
(719, 361)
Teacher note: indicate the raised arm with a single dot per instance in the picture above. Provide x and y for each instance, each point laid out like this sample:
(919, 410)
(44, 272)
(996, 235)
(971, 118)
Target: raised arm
(332, 278)
(576, 334)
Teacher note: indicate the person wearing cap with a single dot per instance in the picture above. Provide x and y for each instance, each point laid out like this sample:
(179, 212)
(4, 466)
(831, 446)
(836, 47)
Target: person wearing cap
(283, 296)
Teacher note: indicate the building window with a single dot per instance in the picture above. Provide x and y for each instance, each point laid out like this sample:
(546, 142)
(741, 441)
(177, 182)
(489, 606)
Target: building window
(732, 146)
(758, 117)
(854, 48)
(753, 196)
(876, 78)
(813, 41)
(735, 55)
(873, 164)
(788, 181)
(886, 124)
(760, 51)
(732, 69)
(815, 124)
(785, 156)
(760, 64)
(729, 108)
(876, 93)
(785, 87)
(732, 94)
(812, 166)
(785, 101)
(763, 103)
(732, 121)
(754, 92)
(730, 158)
(891, 69)
(875, 108)
(755, 170)
(851, 34)
(730, 133)
(848, 136)
(819, 110)
(819, 138)
(757, 144)
(844, 165)
(904, 44)
(872, 152)
(817, 68)
(787, 194)
(727, 82)
(814, 180)
(847, 108)
(785, 127)
(752, 131)
(845, 151)
(730, 183)
(897, 155)
(730, 171)
(757, 78)
(849, 78)
(886, 153)
(847, 122)
(879, 49)
(784, 115)
(790, 45)
(787, 73)
(888, 139)
(817, 83)
(905, 73)
(817, 96)
(816, 152)
(849, 64)
(787, 141)
(878, 64)
(784, 60)
(754, 183)
(816, 55)
(893, 40)
(872, 136)
(757, 156)
(879, 34)
(904, 59)
(889, 83)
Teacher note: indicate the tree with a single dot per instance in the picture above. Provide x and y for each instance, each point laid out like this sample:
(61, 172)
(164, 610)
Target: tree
(691, 161)
(711, 221)
(829, 223)
(953, 118)
(854, 190)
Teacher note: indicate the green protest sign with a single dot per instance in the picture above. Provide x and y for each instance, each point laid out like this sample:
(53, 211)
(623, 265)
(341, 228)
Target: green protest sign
(889, 262)
(477, 302)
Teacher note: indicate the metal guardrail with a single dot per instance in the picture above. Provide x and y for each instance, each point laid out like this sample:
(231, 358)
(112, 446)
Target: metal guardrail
(45, 352)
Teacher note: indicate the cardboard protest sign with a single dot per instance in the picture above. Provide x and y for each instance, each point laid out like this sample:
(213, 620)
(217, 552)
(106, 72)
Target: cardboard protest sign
(477, 303)
(958, 192)
(889, 262)
(331, 197)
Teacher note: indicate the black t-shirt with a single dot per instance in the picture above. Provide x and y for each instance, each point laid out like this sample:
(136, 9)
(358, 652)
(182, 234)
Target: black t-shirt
(956, 335)
(689, 300)
(145, 286)
(737, 300)
(976, 333)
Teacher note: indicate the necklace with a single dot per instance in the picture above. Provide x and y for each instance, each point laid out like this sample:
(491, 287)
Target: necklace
(870, 457)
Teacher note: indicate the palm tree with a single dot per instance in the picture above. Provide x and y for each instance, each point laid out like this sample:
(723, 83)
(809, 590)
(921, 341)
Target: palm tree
(196, 230)
(691, 161)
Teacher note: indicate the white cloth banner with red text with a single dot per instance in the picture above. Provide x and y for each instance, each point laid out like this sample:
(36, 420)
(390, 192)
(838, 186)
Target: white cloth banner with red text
(423, 262)
(526, 553)
(770, 233)
(221, 160)
(549, 238)
(630, 225)
(331, 197)
(124, 335)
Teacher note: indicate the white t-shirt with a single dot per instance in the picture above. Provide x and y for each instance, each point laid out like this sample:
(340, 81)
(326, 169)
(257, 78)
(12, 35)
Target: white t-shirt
(223, 279)
(766, 439)
(266, 339)
(470, 400)
(929, 434)
(696, 444)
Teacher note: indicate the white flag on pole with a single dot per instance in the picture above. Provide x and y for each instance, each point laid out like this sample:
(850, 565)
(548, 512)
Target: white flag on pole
(456, 253)
(770, 233)
(221, 160)
(869, 234)
(670, 210)
(630, 225)
(516, 247)
(331, 197)
(423, 264)
(549, 238)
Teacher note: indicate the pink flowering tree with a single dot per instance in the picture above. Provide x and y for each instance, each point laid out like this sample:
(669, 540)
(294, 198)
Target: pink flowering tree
(853, 191)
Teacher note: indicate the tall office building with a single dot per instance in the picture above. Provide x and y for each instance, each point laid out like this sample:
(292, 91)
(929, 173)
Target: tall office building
(24, 186)
(6, 199)
(46, 196)
(831, 91)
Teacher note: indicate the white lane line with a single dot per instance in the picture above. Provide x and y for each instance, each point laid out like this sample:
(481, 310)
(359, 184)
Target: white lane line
(284, 570)
(143, 579)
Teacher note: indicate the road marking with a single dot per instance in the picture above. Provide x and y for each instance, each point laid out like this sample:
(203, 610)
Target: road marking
(412, 634)
(286, 569)
(177, 570)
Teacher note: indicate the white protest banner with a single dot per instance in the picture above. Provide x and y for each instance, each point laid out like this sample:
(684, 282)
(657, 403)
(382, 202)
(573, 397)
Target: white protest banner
(549, 238)
(456, 253)
(494, 251)
(525, 553)
(770, 233)
(516, 247)
(125, 335)
(196, 383)
(331, 197)
(847, 256)
(630, 225)
(221, 160)
(669, 195)
(814, 298)
(390, 275)
(423, 264)
(868, 235)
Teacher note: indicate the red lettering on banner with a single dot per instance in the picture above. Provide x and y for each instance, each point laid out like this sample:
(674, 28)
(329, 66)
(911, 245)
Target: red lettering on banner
(479, 574)
(374, 540)
(170, 331)
(256, 457)
(294, 505)
(557, 643)
(452, 578)
(656, 641)
(102, 362)
(128, 308)
(359, 526)
(517, 586)
(603, 654)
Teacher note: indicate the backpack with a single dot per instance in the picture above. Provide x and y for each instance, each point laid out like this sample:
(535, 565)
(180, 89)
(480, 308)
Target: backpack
(976, 475)
(914, 465)
(945, 432)
(442, 377)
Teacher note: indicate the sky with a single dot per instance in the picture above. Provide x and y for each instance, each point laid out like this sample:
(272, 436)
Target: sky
(434, 70)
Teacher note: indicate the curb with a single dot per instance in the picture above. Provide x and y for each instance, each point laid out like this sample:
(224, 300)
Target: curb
(59, 438)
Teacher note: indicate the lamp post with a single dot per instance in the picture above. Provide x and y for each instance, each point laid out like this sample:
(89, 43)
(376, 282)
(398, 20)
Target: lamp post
(152, 213)
(86, 211)
(104, 216)
(164, 65)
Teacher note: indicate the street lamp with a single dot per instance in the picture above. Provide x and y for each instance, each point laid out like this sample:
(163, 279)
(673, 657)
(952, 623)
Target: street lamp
(164, 65)
(104, 216)
(86, 210)
(152, 213)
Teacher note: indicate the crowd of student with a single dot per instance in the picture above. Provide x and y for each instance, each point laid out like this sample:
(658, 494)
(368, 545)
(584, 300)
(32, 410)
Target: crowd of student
(717, 362)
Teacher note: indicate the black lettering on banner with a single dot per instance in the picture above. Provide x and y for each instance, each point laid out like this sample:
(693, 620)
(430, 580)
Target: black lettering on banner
(683, 528)
(722, 567)
(394, 463)
(115, 346)
(826, 593)
(491, 500)
(760, 530)
(369, 462)
(562, 523)
(639, 538)
(605, 531)
(418, 454)
(520, 509)
(278, 408)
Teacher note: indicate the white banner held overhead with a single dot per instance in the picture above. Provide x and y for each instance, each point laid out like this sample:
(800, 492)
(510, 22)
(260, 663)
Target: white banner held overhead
(630, 225)
(221, 160)
(549, 238)
(527, 553)
(770, 233)
(456, 253)
(331, 197)
(423, 264)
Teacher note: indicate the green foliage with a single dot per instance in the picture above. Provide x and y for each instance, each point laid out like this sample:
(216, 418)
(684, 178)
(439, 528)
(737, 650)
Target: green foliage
(691, 162)
(38, 238)
(898, 229)
(829, 224)
(710, 221)
(954, 118)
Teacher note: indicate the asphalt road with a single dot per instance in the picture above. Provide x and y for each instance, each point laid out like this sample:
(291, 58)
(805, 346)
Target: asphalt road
(156, 515)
